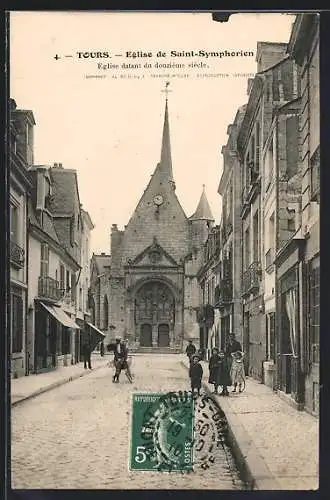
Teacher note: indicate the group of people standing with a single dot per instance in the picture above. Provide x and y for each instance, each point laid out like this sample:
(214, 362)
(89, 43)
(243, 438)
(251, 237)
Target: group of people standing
(226, 367)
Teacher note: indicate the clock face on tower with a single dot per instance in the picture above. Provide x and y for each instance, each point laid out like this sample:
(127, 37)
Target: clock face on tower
(158, 200)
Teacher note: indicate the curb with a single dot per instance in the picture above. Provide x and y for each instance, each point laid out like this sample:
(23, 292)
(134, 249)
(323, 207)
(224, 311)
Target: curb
(54, 385)
(252, 467)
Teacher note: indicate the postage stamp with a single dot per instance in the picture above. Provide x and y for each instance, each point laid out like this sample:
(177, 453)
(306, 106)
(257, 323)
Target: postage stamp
(162, 432)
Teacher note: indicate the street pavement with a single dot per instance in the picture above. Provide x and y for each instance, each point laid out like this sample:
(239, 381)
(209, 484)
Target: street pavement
(77, 436)
(279, 444)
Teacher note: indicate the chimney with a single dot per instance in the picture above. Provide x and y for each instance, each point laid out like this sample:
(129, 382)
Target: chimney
(114, 228)
(102, 253)
(269, 53)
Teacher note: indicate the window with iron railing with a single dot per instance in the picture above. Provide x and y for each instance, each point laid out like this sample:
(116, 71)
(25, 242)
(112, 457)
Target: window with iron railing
(314, 315)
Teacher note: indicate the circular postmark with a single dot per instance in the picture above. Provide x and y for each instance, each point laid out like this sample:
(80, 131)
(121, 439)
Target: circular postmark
(210, 431)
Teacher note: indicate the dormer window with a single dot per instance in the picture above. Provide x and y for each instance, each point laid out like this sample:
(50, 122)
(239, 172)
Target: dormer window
(49, 193)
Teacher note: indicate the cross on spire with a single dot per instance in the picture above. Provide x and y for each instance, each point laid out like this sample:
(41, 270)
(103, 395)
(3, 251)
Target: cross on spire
(166, 90)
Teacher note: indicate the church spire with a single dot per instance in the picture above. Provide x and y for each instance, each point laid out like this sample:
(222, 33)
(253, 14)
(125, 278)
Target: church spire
(166, 157)
(203, 210)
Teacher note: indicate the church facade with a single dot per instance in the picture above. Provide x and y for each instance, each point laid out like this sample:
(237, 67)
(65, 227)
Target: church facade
(152, 289)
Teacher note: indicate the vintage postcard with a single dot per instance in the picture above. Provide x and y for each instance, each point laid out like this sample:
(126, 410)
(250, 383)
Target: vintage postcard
(164, 250)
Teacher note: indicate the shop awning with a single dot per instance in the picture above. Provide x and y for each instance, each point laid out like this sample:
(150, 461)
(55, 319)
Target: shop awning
(96, 329)
(60, 315)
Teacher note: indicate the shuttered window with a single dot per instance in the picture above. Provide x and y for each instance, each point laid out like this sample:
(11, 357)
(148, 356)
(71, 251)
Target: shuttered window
(44, 260)
(17, 323)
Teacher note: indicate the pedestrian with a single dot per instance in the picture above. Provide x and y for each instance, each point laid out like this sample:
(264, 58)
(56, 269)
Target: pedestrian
(196, 375)
(190, 350)
(232, 346)
(87, 352)
(214, 365)
(119, 355)
(237, 373)
(124, 363)
(223, 374)
(102, 349)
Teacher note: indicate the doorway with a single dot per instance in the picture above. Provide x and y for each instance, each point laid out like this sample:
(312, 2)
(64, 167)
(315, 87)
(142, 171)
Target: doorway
(146, 335)
(163, 335)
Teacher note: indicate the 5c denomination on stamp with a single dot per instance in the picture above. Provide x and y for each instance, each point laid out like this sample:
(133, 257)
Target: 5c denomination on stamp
(162, 432)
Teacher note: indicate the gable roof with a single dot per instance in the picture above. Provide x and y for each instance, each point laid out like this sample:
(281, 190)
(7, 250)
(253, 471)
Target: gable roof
(155, 247)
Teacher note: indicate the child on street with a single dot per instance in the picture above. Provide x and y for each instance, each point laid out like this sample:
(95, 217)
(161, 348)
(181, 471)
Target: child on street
(237, 372)
(196, 375)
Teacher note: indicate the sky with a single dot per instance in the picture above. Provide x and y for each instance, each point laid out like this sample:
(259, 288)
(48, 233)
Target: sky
(107, 123)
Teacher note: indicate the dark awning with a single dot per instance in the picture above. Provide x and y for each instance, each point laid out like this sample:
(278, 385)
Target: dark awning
(96, 329)
(60, 315)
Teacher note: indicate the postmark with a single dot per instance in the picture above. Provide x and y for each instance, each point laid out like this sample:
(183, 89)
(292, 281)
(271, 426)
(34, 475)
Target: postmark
(175, 432)
(162, 433)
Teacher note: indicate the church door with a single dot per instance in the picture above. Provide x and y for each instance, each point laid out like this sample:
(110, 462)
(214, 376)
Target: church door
(146, 335)
(163, 335)
(154, 312)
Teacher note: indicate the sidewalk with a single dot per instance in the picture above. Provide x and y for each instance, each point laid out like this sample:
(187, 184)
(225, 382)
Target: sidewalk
(276, 445)
(28, 387)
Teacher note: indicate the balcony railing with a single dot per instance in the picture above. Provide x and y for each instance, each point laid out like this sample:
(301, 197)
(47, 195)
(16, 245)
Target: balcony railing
(49, 288)
(251, 278)
(17, 255)
(205, 315)
(224, 292)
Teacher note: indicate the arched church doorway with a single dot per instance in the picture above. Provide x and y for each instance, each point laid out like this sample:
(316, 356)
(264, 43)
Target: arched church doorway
(163, 335)
(154, 310)
(146, 335)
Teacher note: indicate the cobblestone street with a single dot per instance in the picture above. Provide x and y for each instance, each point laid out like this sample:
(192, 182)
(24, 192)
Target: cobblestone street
(77, 436)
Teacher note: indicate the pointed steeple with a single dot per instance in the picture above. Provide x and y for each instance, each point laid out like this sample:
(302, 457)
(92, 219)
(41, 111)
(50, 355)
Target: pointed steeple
(203, 210)
(166, 157)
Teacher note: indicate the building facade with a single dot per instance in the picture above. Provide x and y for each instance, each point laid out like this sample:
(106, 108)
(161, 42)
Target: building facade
(274, 85)
(229, 297)
(53, 270)
(21, 156)
(153, 292)
(304, 252)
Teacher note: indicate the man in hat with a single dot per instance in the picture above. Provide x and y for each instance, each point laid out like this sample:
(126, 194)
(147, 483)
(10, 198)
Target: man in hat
(120, 355)
(190, 350)
(87, 351)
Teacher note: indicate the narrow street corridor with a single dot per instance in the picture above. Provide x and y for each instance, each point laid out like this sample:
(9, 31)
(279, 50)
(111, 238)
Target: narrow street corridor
(77, 436)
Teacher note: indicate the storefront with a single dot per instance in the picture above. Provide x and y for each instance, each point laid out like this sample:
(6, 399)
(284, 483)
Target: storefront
(289, 325)
(54, 331)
